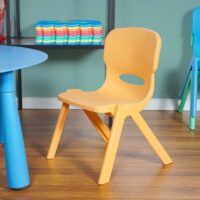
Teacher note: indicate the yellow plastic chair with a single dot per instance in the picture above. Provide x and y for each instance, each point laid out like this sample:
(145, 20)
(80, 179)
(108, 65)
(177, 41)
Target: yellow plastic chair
(128, 51)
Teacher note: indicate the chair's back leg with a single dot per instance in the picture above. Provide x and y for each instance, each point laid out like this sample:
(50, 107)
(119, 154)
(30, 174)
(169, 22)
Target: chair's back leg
(58, 131)
(185, 95)
(101, 128)
(194, 94)
(186, 79)
(112, 148)
(151, 138)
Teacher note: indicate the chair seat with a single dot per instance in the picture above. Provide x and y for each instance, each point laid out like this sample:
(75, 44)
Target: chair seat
(98, 101)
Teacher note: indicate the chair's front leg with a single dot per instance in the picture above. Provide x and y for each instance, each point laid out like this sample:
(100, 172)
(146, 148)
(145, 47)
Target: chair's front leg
(151, 138)
(194, 92)
(112, 147)
(58, 131)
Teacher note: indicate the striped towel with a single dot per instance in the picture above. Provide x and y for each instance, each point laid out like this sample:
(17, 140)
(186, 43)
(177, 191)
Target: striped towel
(77, 32)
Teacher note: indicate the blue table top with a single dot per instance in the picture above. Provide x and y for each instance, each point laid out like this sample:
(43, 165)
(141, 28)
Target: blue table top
(14, 58)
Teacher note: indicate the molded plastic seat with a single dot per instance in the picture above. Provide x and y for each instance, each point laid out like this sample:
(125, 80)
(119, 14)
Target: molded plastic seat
(128, 51)
(102, 101)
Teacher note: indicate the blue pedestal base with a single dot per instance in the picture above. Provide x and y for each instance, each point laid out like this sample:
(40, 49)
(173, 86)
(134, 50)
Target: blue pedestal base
(11, 135)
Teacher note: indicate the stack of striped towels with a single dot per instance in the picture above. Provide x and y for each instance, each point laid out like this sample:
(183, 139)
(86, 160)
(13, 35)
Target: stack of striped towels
(78, 32)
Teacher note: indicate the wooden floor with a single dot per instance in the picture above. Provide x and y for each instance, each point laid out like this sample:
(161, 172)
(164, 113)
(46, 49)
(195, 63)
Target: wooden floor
(138, 173)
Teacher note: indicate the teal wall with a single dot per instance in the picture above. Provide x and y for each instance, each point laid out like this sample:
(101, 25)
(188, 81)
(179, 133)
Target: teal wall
(84, 68)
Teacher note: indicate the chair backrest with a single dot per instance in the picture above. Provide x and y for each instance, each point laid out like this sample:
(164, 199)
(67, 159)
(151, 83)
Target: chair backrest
(196, 32)
(131, 51)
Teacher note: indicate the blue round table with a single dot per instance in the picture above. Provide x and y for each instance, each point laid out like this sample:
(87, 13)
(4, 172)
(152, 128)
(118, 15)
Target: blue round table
(11, 59)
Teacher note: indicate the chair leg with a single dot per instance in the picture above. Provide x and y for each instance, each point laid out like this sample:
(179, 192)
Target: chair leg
(102, 129)
(184, 96)
(151, 138)
(194, 91)
(186, 80)
(112, 148)
(198, 76)
(58, 131)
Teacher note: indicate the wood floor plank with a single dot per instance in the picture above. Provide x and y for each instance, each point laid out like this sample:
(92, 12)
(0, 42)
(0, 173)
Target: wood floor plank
(138, 174)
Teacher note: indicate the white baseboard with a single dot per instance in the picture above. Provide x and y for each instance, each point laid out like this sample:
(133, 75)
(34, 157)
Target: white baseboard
(53, 103)
(41, 103)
